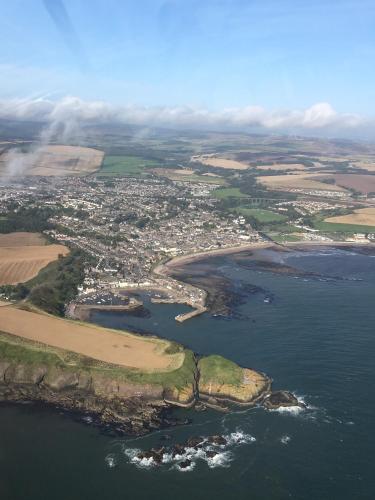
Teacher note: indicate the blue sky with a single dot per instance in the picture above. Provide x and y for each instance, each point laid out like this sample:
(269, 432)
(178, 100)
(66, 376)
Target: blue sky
(209, 53)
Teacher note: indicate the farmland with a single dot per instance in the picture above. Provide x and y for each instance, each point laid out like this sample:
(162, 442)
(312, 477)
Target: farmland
(213, 161)
(23, 255)
(110, 346)
(188, 175)
(299, 181)
(114, 166)
(55, 160)
(361, 217)
(21, 239)
(282, 166)
(331, 227)
(225, 193)
(363, 183)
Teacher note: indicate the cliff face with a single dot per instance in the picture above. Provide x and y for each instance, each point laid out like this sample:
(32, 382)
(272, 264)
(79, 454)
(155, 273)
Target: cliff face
(132, 402)
(253, 386)
(132, 408)
(221, 379)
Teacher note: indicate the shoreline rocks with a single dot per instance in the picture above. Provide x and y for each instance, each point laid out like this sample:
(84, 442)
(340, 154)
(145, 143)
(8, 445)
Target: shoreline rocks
(281, 399)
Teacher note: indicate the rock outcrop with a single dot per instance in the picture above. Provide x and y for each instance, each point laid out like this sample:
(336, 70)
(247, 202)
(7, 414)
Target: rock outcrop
(131, 408)
(279, 399)
(222, 381)
(130, 401)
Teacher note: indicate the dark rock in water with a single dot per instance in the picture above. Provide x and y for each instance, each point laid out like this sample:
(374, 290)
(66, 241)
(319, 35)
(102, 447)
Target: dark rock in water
(217, 439)
(194, 441)
(155, 454)
(178, 449)
(279, 399)
(211, 453)
(173, 422)
(165, 437)
(145, 454)
(185, 464)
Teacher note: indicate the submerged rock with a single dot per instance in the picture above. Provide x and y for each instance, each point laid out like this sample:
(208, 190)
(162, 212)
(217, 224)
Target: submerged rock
(194, 441)
(279, 399)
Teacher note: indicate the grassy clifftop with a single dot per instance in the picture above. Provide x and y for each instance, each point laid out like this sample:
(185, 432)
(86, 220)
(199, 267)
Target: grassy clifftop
(222, 379)
(19, 351)
(219, 370)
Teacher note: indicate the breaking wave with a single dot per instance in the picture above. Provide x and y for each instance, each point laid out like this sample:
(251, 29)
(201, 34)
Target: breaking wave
(213, 454)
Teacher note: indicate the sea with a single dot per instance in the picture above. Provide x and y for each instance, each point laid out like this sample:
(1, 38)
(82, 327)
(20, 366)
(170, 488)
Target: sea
(312, 331)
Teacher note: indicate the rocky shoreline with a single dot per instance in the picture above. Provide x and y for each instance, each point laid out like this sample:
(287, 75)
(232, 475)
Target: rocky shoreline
(125, 407)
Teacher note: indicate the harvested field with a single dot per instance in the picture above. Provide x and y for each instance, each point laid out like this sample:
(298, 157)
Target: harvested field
(213, 161)
(110, 346)
(299, 181)
(368, 165)
(21, 239)
(363, 183)
(362, 216)
(23, 255)
(282, 166)
(53, 161)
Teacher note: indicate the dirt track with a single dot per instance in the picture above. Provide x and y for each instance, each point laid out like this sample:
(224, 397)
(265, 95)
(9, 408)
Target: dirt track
(120, 348)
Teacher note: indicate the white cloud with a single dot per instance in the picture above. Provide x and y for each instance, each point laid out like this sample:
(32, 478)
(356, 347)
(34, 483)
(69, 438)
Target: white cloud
(69, 112)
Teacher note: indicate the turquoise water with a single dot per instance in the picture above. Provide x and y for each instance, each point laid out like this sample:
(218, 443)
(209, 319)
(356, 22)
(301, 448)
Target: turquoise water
(316, 338)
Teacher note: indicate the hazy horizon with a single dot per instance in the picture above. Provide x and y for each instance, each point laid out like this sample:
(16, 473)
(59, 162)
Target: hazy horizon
(284, 67)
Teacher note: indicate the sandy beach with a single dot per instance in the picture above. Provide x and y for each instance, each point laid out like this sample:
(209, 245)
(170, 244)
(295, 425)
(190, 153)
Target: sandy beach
(162, 269)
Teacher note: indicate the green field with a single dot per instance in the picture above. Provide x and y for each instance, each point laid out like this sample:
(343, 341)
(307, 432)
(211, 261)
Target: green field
(125, 165)
(261, 215)
(284, 238)
(333, 227)
(225, 193)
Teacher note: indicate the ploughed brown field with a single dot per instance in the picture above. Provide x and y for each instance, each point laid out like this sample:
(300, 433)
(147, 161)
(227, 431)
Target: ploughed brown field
(109, 346)
(360, 182)
(362, 216)
(23, 255)
(57, 160)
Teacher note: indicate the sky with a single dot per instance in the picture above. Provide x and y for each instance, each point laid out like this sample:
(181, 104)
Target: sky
(273, 57)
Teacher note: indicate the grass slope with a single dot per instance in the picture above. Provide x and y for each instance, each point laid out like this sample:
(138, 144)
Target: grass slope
(332, 227)
(15, 349)
(218, 370)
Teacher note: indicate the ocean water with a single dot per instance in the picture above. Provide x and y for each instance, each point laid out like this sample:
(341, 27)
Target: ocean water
(314, 337)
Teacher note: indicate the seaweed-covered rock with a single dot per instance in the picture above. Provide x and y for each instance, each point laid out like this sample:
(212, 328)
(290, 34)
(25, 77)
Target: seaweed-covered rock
(194, 441)
(178, 449)
(211, 453)
(279, 399)
(185, 464)
(217, 439)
